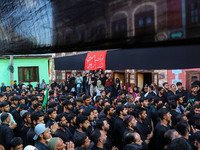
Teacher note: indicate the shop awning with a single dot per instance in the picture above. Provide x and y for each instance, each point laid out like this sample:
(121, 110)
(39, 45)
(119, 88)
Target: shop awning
(177, 57)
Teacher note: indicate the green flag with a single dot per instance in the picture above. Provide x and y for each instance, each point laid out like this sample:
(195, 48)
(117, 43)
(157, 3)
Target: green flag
(44, 105)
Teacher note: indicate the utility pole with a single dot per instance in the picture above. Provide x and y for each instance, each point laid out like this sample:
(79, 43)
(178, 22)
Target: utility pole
(11, 72)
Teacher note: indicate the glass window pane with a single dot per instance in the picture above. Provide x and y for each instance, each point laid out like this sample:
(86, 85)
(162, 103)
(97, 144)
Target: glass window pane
(148, 20)
(196, 12)
(140, 23)
(28, 74)
(20, 74)
(196, 19)
(35, 74)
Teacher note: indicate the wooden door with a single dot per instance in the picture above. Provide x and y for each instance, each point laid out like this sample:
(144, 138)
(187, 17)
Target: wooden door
(127, 79)
(144, 26)
(58, 76)
(155, 78)
(191, 76)
(133, 79)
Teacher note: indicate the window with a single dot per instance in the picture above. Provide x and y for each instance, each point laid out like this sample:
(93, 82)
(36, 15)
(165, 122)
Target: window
(140, 22)
(194, 13)
(119, 28)
(81, 35)
(98, 32)
(148, 21)
(27, 74)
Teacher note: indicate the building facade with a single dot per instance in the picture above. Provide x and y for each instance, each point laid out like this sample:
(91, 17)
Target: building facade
(26, 68)
(139, 20)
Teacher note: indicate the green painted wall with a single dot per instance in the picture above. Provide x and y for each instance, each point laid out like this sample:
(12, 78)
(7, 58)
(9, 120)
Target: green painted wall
(42, 63)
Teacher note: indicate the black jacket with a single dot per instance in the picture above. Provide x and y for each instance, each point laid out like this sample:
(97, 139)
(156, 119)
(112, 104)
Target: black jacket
(66, 135)
(19, 121)
(132, 147)
(30, 135)
(6, 135)
(118, 131)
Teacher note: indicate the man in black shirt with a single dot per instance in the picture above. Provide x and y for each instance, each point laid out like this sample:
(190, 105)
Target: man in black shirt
(183, 128)
(3, 88)
(119, 126)
(166, 89)
(14, 103)
(150, 93)
(27, 125)
(142, 126)
(52, 115)
(193, 94)
(82, 123)
(42, 134)
(145, 104)
(6, 134)
(15, 84)
(81, 141)
(17, 117)
(161, 94)
(63, 132)
(71, 118)
(130, 123)
(99, 138)
(173, 106)
(16, 143)
(103, 126)
(62, 98)
(161, 128)
(133, 141)
(37, 117)
(109, 112)
(34, 100)
(20, 85)
(181, 91)
(68, 108)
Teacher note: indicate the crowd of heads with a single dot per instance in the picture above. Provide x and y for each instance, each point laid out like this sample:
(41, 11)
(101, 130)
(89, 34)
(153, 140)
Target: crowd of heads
(89, 111)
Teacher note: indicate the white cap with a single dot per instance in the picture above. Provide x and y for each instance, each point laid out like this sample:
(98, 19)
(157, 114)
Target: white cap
(30, 147)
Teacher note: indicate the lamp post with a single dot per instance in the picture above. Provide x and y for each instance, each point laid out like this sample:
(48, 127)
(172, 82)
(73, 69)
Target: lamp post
(11, 72)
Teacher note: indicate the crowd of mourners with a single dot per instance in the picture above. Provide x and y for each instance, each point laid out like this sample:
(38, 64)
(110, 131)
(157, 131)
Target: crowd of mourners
(91, 112)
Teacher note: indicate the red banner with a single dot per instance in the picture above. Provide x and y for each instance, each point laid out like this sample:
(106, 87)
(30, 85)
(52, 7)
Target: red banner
(96, 60)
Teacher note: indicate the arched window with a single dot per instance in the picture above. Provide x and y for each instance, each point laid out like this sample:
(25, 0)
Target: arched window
(119, 28)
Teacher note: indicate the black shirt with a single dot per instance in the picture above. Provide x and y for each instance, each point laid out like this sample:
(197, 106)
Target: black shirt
(155, 117)
(19, 121)
(118, 131)
(97, 148)
(124, 135)
(60, 109)
(72, 129)
(3, 89)
(192, 96)
(12, 108)
(30, 135)
(174, 117)
(23, 135)
(159, 136)
(142, 129)
(41, 146)
(20, 86)
(150, 95)
(183, 93)
(6, 135)
(66, 135)
(30, 110)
